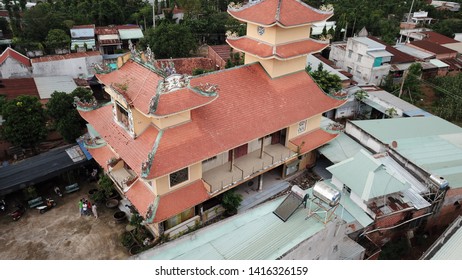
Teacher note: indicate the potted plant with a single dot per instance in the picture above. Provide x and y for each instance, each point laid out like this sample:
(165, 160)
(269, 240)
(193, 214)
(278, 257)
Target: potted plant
(107, 186)
(127, 240)
(231, 201)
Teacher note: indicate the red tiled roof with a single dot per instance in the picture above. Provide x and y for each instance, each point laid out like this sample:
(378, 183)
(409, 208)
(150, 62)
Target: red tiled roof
(9, 52)
(133, 151)
(432, 47)
(282, 51)
(398, 56)
(312, 140)
(101, 155)
(109, 42)
(282, 12)
(222, 51)
(105, 30)
(127, 26)
(13, 88)
(83, 26)
(250, 105)
(181, 100)
(187, 65)
(141, 83)
(437, 38)
(177, 201)
(65, 56)
(140, 196)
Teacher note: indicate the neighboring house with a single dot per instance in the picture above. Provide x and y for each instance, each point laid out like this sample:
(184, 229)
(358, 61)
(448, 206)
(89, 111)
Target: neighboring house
(443, 41)
(407, 35)
(219, 54)
(367, 60)
(172, 142)
(75, 65)
(14, 65)
(107, 39)
(261, 235)
(49, 84)
(446, 5)
(436, 50)
(415, 19)
(128, 33)
(83, 36)
(317, 28)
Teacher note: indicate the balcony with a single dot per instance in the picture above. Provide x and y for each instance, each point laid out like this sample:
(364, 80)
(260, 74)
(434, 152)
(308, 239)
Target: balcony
(246, 167)
(122, 177)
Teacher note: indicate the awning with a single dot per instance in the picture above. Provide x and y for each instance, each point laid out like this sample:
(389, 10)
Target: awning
(438, 63)
(102, 155)
(140, 196)
(176, 202)
(39, 168)
(312, 140)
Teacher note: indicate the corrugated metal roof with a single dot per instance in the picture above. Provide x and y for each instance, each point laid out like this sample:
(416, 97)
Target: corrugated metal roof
(418, 201)
(126, 34)
(413, 52)
(367, 177)
(341, 148)
(350, 250)
(381, 53)
(431, 142)
(47, 85)
(449, 245)
(371, 44)
(438, 63)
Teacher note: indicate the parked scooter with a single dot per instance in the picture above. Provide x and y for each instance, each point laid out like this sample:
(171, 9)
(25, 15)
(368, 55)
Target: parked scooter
(18, 212)
(49, 203)
(2, 205)
(58, 191)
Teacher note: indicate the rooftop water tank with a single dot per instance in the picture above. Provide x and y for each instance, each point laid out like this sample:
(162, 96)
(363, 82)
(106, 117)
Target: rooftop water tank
(439, 181)
(326, 193)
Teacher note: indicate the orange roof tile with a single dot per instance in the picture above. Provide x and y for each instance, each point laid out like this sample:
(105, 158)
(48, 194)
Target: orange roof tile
(101, 155)
(13, 88)
(133, 151)
(312, 140)
(187, 65)
(65, 56)
(140, 196)
(281, 12)
(181, 100)
(177, 201)
(250, 105)
(438, 38)
(282, 51)
(141, 83)
(9, 52)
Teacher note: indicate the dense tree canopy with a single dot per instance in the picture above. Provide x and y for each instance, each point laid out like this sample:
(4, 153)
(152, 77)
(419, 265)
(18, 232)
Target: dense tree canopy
(25, 121)
(326, 81)
(57, 39)
(449, 103)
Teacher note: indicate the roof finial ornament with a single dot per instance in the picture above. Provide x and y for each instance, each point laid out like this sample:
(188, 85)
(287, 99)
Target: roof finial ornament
(149, 55)
(131, 47)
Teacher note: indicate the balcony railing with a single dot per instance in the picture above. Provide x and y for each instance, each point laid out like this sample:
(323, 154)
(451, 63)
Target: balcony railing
(246, 167)
(122, 177)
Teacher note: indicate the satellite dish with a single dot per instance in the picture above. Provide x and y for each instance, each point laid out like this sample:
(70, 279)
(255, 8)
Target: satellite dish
(394, 144)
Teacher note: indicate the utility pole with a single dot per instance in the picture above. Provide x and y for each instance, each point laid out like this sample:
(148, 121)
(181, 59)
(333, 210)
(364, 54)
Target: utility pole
(402, 82)
(153, 14)
(410, 11)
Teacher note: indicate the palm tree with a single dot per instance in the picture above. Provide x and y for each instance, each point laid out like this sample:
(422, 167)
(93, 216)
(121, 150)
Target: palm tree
(360, 95)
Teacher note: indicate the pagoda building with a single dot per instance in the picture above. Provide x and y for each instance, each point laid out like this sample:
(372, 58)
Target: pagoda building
(173, 143)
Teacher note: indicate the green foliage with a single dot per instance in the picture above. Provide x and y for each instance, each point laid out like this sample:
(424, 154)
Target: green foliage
(394, 250)
(170, 40)
(126, 239)
(199, 71)
(106, 185)
(326, 81)
(234, 60)
(57, 39)
(448, 27)
(411, 87)
(449, 103)
(25, 121)
(231, 201)
(136, 220)
(5, 27)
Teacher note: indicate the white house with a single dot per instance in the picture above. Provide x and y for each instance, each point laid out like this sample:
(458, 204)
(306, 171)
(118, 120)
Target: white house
(367, 60)
(14, 65)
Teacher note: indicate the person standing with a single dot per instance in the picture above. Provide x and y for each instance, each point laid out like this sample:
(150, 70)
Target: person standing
(95, 212)
(80, 207)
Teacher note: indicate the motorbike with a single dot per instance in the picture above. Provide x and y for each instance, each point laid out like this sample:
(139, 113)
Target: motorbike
(49, 203)
(58, 191)
(18, 212)
(2, 205)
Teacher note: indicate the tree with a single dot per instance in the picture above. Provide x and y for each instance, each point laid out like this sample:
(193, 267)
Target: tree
(39, 20)
(57, 39)
(170, 40)
(360, 95)
(25, 121)
(449, 103)
(231, 201)
(66, 119)
(411, 91)
(327, 82)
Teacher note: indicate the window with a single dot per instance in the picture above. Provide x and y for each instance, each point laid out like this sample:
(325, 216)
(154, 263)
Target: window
(179, 177)
(301, 126)
(350, 53)
(360, 56)
(349, 69)
(178, 219)
(122, 115)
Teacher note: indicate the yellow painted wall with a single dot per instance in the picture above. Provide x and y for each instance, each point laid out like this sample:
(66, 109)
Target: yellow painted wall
(285, 35)
(162, 184)
(116, 97)
(284, 67)
(269, 36)
(140, 121)
(172, 120)
(311, 124)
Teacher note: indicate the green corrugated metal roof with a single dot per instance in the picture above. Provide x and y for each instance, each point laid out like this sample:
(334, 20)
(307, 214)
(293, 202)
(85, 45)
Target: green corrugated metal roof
(341, 148)
(366, 176)
(126, 34)
(430, 142)
(452, 247)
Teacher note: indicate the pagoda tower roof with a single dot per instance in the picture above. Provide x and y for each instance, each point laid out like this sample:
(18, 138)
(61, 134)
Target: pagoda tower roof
(285, 13)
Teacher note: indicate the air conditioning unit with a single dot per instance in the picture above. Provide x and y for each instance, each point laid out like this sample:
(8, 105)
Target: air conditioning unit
(439, 181)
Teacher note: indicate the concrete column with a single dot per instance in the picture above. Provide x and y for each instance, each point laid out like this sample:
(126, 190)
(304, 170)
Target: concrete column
(260, 183)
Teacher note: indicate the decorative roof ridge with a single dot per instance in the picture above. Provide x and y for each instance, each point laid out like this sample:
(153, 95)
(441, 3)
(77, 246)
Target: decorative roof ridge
(239, 6)
(303, 40)
(121, 89)
(278, 11)
(327, 8)
(146, 165)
